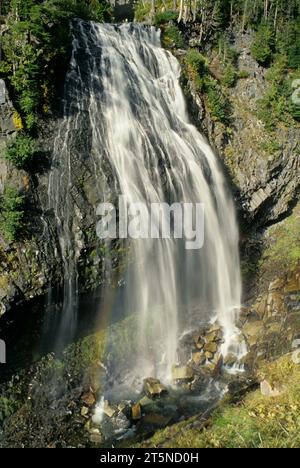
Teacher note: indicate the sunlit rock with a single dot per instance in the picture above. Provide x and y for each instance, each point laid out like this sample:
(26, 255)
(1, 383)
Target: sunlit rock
(182, 373)
(154, 388)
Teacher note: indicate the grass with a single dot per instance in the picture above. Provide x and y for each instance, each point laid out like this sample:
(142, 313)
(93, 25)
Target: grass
(256, 422)
(284, 242)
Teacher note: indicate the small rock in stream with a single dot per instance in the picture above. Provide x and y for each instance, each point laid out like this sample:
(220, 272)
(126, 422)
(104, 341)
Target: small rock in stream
(154, 388)
(109, 410)
(182, 373)
(136, 412)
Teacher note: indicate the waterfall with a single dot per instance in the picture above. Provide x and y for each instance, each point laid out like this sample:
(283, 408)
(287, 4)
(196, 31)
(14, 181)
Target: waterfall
(123, 96)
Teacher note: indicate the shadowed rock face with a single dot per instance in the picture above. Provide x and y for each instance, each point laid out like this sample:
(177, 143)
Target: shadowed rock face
(123, 10)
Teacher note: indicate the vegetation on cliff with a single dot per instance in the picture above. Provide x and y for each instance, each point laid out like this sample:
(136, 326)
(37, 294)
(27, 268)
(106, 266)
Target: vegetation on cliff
(276, 44)
(35, 49)
(12, 213)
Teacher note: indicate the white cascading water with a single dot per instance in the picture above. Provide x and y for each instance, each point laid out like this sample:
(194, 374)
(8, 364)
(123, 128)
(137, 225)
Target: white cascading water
(139, 123)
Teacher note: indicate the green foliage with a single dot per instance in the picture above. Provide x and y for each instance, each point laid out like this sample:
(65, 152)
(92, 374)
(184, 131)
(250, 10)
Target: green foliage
(272, 146)
(21, 151)
(142, 11)
(163, 17)
(284, 246)
(218, 103)
(172, 37)
(288, 42)
(36, 46)
(276, 105)
(196, 68)
(197, 71)
(12, 213)
(7, 407)
(243, 74)
(229, 76)
(263, 45)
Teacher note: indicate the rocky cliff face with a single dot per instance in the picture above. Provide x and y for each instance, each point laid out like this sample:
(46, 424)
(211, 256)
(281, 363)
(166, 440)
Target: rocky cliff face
(266, 188)
(265, 184)
(24, 265)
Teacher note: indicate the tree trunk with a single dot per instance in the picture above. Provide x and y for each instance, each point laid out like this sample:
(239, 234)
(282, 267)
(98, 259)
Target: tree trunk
(194, 10)
(180, 11)
(266, 8)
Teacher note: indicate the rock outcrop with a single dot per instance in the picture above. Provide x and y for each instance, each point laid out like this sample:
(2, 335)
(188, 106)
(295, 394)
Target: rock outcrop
(265, 182)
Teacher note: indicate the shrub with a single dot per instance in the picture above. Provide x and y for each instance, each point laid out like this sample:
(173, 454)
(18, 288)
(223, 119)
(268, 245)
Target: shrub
(172, 37)
(229, 76)
(17, 120)
(12, 213)
(263, 44)
(142, 11)
(243, 74)
(218, 103)
(196, 68)
(276, 105)
(197, 71)
(21, 151)
(165, 17)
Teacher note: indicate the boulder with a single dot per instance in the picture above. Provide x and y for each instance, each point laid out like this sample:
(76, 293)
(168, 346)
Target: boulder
(213, 336)
(209, 355)
(199, 358)
(211, 347)
(84, 411)
(230, 360)
(199, 341)
(218, 367)
(154, 388)
(136, 412)
(157, 420)
(145, 401)
(183, 373)
(109, 410)
(88, 398)
(269, 390)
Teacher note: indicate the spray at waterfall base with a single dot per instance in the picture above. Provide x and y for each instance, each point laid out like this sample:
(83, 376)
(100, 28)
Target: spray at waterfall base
(202, 352)
(185, 221)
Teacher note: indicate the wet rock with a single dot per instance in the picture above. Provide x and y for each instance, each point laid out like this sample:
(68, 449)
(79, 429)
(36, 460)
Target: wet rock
(211, 347)
(213, 336)
(241, 386)
(199, 358)
(214, 328)
(136, 412)
(248, 361)
(209, 356)
(199, 342)
(124, 408)
(121, 422)
(96, 439)
(154, 388)
(89, 399)
(218, 367)
(84, 411)
(109, 410)
(182, 373)
(230, 360)
(157, 420)
(145, 401)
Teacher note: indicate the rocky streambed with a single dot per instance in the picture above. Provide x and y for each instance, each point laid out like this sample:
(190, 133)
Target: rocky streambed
(64, 400)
